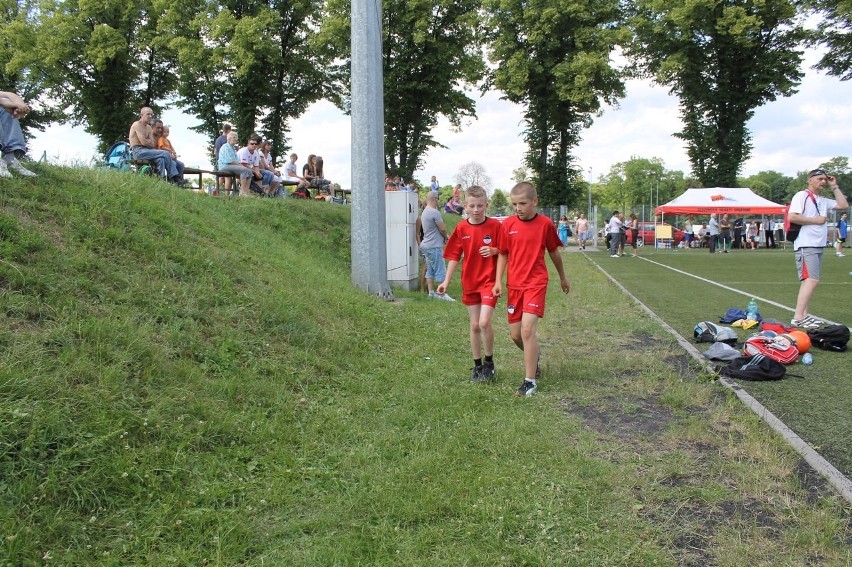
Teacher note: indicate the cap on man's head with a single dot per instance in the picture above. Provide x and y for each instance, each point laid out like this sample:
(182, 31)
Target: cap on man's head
(816, 172)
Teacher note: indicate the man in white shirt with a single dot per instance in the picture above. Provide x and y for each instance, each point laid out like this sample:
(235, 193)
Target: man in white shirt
(614, 234)
(713, 232)
(810, 210)
(249, 157)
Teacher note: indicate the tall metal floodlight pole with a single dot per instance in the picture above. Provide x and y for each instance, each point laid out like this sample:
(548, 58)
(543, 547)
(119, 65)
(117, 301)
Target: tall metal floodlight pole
(369, 251)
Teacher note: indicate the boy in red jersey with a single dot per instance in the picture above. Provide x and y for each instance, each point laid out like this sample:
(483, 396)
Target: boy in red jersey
(475, 240)
(524, 238)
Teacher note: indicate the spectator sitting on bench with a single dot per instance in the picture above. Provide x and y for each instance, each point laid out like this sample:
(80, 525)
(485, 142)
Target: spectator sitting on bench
(249, 157)
(12, 143)
(229, 162)
(314, 174)
(291, 173)
(266, 163)
(161, 133)
(143, 146)
(221, 140)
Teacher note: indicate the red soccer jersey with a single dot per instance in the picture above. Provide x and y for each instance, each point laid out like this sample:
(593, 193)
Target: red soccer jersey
(465, 241)
(525, 242)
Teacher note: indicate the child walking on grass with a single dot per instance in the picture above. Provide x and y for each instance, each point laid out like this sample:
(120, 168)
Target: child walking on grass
(475, 241)
(524, 238)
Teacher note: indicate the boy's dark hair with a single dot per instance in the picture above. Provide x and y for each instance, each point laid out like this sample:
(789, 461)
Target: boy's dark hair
(255, 137)
(526, 188)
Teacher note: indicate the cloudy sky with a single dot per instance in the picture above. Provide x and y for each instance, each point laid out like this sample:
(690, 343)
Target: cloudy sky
(789, 135)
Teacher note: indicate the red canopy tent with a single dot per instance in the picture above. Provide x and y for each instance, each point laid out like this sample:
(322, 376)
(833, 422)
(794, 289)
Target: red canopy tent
(721, 200)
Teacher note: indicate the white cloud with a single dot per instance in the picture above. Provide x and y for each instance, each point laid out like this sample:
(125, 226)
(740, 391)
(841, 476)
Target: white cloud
(789, 135)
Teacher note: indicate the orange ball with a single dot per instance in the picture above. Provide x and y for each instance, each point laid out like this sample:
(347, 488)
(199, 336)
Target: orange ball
(803, 341)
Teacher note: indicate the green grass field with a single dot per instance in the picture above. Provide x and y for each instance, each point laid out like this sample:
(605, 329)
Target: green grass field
(187, 380)
(816, 407)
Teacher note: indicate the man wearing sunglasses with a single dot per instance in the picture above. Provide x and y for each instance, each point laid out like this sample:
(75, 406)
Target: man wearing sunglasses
(250, 157)
(810, 210)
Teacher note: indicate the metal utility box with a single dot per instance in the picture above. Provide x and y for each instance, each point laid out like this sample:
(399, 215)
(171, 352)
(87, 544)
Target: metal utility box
(401, 212)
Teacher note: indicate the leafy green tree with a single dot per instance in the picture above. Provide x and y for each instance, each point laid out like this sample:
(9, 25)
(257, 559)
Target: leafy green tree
(252, 62)
(431, 53)
(498, 205)
(101, 60)
(834, 32)
(17, 47)
(723, 60)
(640, 184)
(553, 58)
(520, 174)
(837, 166)
(770, 185)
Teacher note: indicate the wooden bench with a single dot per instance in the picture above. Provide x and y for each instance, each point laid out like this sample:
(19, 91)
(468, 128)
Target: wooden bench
(342, 195)
(235, 181)
(186, 170)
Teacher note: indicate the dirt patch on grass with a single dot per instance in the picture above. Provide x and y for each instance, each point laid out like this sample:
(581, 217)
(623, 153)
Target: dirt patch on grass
(624, 419)
(678, 488)
(683, 365)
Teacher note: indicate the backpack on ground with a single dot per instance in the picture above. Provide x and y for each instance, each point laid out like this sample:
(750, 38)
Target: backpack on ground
(776, 347)
(733, 314)
(776, 326)
(756, 368)
(708, 332)
(118, 156)
(832, 337)
(721, 351)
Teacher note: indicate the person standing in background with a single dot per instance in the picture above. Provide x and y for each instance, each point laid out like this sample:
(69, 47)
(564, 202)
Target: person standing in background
(582, 228)
(840, 232)
(614, 233)
(432, 245)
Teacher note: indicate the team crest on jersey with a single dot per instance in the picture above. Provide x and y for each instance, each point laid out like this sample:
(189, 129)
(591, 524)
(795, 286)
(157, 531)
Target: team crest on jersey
(511, 309)
(487, 239)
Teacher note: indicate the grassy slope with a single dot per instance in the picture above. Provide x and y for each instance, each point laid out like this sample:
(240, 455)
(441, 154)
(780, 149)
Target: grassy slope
(194, 381)
(817, 408)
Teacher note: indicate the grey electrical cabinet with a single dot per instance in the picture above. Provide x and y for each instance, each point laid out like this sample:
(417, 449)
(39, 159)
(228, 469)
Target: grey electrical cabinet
(401, 212)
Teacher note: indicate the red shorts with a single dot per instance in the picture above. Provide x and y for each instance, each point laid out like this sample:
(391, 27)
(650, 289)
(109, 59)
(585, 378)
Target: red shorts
(522, 301)
(484, 296)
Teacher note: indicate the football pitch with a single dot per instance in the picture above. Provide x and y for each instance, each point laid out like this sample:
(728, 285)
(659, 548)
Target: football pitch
(687, 287)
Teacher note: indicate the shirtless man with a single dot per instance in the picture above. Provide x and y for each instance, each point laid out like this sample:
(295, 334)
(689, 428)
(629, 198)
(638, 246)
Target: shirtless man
(143, 145)
(581, 227)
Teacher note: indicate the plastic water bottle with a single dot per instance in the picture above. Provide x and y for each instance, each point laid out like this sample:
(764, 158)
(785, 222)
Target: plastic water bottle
(807, 359)
(751, 312)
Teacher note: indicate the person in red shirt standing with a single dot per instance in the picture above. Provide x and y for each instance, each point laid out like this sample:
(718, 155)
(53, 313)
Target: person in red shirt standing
(476, 241)
(523, 240)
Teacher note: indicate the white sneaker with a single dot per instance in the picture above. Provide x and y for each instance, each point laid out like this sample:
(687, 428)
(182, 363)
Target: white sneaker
(444, 297)
(4, 171)
(16, 166)
(841, 255)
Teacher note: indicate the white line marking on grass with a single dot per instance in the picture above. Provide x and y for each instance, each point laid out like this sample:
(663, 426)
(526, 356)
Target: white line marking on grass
(735, 290)
(833, 476)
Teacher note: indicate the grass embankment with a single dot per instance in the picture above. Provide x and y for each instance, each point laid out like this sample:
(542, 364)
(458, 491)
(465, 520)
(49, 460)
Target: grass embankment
(817, 407)
(190, 381)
